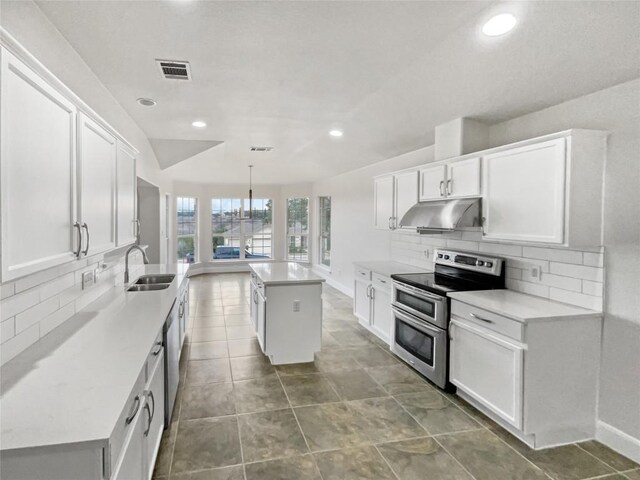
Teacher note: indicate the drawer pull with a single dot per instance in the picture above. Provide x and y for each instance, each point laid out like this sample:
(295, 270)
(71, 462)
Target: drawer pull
(149, 418)
(382, 281)
(135, 408)
(480, 318)
(157, 352)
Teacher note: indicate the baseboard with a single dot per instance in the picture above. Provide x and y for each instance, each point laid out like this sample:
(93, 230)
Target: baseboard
(330, 281)
(618, 440)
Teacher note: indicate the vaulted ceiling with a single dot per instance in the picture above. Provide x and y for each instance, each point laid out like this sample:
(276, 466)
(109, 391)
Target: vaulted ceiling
(283, 74)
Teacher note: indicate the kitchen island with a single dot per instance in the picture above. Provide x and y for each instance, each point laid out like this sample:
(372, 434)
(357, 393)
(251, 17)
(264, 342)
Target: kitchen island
(286, 311)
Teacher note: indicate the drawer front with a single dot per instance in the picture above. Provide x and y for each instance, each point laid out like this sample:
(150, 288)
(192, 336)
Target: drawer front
(154, 356)
(131, 411)
(485, 319)
(363, 273)
(381, 281)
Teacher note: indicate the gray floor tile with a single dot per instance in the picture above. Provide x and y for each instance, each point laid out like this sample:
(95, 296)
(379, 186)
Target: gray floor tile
(355, 384)
(206, 443)
(209, 400)
(225, 473)
(420, 459)
(270, 435)
(349, 338)
(244, 347)
(209, 310)
(398, 379)
(209, 322)
(372, 356)
(231, 320)
(385, 420)
(205, 350)
(163, 462)
(486, 457)
(633, 475)
(334, 360)
(331, 426)
(260, 394)
(308, 389)
(245, 368)
(353, 464)
(237, 332)
(613, 459)
(435, 413)
(297, 369)
(208, 334)
(300, 467)
(236, 309)
(208, 371)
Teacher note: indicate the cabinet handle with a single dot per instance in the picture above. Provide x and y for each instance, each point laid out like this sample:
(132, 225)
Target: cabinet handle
(146, 407)
(157, 352)
(137, 229)
(394, 224)
(390, 219)
(368, 291)
(153, 400)
(440, 188)
(449, 187)
(473, 315)
(451, 325)
(134, 410)
(86, 227)
(373, 292)
(77, 253)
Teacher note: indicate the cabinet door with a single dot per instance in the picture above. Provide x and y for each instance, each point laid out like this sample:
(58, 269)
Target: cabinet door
(132, 465)
(254, 307)
(382, 316)
(126, 227)
(432, 181)
(405, 194)
(488, 368)
(362, 301)
(383, 202)
(463, 178)
(261, 309)
(97, 159)
(524, 192)
(155, 416)
(38, 170)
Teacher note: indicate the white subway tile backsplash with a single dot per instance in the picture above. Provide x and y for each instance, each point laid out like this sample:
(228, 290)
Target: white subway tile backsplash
(528, 287)
(577, 271)
(36, 313)
(577, 299)
(594, 259)
(7, 329)
(462, 245)
(7, 290)
(501, 249)
(57, 318)
(515, 273)
(71, 294)
(592, 288)
(553, 254)
(35, 279)
(475, 236)
(18, 303)
(50, 289)
(19, 343)
(566, 283)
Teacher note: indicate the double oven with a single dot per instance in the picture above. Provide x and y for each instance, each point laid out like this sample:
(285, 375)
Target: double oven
(420, 308)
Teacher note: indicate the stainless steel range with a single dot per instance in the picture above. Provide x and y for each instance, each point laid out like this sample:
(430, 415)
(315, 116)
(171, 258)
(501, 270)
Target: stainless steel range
(421, 308)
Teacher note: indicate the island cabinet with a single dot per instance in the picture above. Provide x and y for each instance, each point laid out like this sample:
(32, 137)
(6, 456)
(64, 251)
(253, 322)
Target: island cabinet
(529, 363)
(286, 311)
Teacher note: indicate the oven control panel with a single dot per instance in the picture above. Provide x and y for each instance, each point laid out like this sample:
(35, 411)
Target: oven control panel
(469, 261)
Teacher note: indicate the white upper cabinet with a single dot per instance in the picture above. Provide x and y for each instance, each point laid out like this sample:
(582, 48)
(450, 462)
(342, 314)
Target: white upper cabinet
(547, 191)
(126, 227)
(450, 180)
(383, 202)
(37, 171)
(97, 160)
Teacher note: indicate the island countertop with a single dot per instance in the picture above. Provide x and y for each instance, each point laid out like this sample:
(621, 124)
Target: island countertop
(283, 273)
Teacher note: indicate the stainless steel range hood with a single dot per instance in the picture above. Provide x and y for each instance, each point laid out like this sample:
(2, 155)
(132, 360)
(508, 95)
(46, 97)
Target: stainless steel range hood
(443, 215)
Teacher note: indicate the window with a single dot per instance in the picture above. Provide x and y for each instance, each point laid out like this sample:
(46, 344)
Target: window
(298, 229)
(234, 235)
(324, 228)
(187, 220)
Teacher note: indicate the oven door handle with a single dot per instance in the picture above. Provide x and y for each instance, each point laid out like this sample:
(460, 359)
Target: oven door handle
(418, 292)
(419, 325)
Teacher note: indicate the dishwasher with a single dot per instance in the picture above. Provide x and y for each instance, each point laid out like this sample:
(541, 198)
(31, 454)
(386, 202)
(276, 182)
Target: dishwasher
(171, 338)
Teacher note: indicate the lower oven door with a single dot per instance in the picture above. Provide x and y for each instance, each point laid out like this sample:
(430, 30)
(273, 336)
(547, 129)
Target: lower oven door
(422, 345)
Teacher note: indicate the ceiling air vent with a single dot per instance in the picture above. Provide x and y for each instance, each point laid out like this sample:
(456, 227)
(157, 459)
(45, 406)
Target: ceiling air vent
(261, 149)
(174, 70)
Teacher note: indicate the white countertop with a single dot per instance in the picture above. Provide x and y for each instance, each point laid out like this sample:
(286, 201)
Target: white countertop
(282, 273)
(388, 268)
(72, 385)
(522, 307)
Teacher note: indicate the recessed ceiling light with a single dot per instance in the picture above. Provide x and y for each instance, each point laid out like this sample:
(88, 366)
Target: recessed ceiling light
(199, 124)
(499, 25)
(335, 133)
(146, 102)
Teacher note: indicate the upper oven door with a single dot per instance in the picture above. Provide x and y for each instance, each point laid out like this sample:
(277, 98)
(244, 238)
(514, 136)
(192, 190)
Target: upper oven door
(424, 305)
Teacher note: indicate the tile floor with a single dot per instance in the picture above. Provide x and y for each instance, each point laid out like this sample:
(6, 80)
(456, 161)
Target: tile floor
(355, 413)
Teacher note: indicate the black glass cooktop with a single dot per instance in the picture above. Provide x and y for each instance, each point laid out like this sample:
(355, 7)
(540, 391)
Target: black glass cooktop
(451, 281)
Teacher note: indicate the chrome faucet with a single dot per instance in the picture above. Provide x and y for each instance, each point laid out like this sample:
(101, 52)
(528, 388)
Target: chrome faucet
(126, 260)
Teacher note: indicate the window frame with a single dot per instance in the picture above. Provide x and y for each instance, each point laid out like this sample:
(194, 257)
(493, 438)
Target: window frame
(193, 235)
(321, 235)
(288, 235)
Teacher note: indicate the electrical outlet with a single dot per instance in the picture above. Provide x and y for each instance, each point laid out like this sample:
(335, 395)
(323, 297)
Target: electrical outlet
(296, 305)
(88, 279)
(534, 273)
(426, 253)
(96, 274)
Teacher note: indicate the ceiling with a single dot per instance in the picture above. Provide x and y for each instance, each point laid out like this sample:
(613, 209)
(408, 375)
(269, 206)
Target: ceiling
(283, 74)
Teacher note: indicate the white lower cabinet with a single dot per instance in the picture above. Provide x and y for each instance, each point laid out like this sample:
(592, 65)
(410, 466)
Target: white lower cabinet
(372, 302)
(154, 407)
(489, 368)
(381, 314)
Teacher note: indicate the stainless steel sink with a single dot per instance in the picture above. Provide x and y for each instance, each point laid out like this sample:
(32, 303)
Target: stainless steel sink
(148, 287)
(154, 279)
